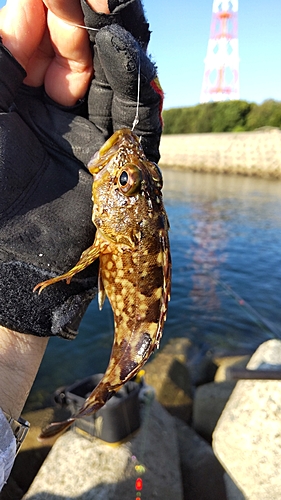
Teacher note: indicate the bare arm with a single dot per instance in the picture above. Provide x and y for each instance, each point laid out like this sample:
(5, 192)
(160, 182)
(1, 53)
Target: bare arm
(20, 358)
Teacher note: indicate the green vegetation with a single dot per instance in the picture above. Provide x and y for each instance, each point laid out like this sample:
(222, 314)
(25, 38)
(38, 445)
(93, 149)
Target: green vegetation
(227, 116)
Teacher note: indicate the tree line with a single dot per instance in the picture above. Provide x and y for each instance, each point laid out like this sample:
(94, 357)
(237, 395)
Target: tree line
(226, 116)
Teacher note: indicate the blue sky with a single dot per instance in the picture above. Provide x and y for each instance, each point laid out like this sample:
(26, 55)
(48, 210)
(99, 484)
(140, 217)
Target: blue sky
(179, 41)
(180, 33)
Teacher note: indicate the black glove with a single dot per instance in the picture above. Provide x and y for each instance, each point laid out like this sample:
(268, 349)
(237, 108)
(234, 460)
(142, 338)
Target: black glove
(45, 203)
(45, 207)
(113, 93)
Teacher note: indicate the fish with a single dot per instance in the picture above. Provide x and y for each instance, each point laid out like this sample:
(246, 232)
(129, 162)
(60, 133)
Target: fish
(132, 244)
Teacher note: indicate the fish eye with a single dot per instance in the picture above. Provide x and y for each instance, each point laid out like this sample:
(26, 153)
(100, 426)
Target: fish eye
(123, 179)
(129, 180)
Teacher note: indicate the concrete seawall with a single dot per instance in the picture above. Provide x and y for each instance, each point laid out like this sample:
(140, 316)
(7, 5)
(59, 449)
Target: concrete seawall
(248, 153)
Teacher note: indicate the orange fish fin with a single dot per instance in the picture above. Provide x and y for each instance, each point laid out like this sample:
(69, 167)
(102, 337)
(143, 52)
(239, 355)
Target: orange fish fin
(55, 428)
(88, 257)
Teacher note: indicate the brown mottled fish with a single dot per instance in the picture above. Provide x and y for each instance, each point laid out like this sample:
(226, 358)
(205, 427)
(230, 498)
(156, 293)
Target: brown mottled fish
(132, 245)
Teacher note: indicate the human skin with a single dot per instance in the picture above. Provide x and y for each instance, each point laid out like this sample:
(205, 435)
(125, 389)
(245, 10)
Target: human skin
(42, 38)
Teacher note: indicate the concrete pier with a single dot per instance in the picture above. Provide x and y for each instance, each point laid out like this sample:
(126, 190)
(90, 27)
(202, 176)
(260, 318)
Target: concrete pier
(255, 153)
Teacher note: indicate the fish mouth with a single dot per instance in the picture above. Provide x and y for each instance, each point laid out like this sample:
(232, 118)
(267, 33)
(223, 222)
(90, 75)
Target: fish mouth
(100, 173)
(98, 164)
(103, 157)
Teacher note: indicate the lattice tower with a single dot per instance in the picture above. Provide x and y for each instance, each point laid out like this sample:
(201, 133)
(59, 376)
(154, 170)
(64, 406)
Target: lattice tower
(221, 74)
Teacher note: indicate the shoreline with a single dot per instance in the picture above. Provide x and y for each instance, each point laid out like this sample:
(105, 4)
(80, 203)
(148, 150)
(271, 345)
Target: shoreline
(255, 153)
(206, 422)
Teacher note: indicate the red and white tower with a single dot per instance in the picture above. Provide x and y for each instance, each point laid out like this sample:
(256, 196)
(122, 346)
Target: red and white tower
(221, 75)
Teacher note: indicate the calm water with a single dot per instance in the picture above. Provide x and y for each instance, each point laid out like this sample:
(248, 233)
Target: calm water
(226, 250)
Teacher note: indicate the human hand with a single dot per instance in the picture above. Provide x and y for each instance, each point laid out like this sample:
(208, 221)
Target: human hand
(46, 204)
(52, 51)
(45, 41)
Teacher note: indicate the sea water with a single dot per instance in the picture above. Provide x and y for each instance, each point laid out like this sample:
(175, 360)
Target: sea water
(226, 281)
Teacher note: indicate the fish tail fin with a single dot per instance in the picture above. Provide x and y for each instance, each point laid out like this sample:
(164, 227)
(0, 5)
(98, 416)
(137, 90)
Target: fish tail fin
(96, 400)
(93, 403)
(55, 428)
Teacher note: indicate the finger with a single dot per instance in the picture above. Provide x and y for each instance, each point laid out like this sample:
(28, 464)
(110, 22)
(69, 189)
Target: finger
(100, 6)
(22, 25)
(68, 76)
(40, 61)
(69, 11)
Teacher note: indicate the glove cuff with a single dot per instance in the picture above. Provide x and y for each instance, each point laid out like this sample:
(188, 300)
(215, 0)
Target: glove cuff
(56, 313)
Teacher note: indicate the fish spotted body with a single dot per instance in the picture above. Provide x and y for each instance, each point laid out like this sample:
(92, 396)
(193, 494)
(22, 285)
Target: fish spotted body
(132, 245)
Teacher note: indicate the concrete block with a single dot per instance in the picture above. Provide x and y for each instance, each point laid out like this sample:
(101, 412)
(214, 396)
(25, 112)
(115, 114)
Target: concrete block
(168, 374)
(228, 362)
(200, 364)
(77, 467)
(202, 474)
(209, 402)
(247, 438)
(232, 490)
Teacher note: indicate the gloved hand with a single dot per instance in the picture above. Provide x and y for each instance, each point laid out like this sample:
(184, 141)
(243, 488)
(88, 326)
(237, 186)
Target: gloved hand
(45, 203)
(118, 58)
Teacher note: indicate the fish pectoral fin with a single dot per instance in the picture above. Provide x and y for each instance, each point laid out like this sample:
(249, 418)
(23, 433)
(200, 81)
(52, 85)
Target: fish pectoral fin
(88, 257)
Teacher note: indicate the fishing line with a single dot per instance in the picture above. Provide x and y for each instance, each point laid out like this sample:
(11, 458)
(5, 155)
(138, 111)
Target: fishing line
(137, 118)
(80, 26)
(262, 322)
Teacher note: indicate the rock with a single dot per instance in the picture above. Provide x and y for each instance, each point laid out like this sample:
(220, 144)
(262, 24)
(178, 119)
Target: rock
(226, 363)
(202, 474)
(232, 491)
(168, 374)
(200, 364)
(77, 467)
(209, 402)
(247, 438)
